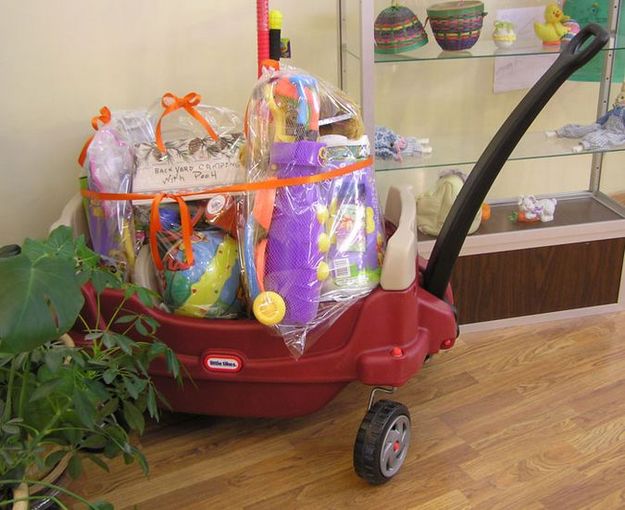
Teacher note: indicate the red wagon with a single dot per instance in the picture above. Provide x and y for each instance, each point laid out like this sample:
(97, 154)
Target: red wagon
(240, 369)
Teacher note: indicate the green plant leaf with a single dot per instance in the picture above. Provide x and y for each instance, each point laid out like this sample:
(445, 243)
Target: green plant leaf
(39, 301)
(173, 365)
(54, 458)
(133, 417)
(141, 329)
(131, 387)
(124, 343)
(94, 441)
(101, 505)
(130, 291)
(151, 321)
(83, 276)
(109, 375)
(88, 258)
(158, 348)
(109, 408)
(145, 296)
(97, 389)
(108, 339)
(10, 429)
(85, 409)
(101, 279)
(77, 357)
(75, 466)
(125, 319)
(61, 242)
(142, 461)
(46, 388)
(98, 462)
(53, 359)
(152, 404)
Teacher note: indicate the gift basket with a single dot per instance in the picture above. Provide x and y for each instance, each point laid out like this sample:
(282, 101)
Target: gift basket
(149, 176)
(309, 250)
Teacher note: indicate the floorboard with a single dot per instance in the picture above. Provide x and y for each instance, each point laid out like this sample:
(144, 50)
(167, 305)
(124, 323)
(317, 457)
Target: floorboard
(529, 417)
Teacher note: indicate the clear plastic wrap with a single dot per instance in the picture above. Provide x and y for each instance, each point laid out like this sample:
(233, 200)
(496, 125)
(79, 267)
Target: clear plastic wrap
(196, 148)
(308, 250)
(166, 157)
(109, 163)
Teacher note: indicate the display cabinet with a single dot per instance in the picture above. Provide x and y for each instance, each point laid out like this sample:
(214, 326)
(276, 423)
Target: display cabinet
(507, 271)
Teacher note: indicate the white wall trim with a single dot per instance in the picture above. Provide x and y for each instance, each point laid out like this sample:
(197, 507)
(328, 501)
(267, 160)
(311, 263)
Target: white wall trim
(543, 317)
(520, 240)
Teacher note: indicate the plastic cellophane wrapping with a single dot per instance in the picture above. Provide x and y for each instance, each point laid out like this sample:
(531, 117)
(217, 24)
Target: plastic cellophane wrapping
(109, 165)
(195, 160)
(308, 251)
(192, 147)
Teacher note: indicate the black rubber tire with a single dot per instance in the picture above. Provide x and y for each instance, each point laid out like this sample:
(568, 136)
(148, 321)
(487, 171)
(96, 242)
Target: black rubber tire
(370, 440)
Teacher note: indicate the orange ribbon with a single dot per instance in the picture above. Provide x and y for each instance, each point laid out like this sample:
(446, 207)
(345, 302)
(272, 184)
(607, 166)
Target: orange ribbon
(156, 227)
(186, 224)
(104, 118)
(171, 103)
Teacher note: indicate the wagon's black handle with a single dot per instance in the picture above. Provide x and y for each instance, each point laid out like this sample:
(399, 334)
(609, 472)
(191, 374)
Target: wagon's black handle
(445, 252)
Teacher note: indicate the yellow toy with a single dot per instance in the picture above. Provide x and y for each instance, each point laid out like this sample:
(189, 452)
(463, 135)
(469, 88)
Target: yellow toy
(553, 29)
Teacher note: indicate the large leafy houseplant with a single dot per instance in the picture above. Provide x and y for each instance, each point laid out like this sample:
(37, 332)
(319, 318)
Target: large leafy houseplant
(60, 403)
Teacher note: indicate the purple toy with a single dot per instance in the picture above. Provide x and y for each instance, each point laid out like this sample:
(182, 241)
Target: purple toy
(296, 241)
(109, 165)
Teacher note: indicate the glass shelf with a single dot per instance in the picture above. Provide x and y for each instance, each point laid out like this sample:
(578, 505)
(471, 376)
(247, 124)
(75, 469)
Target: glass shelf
(455, 150)
(484, 48)
(575, 210)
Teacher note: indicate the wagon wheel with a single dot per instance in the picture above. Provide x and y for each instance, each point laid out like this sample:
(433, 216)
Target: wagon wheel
(382, 442)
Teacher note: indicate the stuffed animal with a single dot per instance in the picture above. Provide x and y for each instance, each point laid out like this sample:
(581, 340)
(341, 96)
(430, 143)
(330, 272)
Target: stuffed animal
(389, 145)
(434, 206)
(532, 210)
(608, 131)
(553, 29)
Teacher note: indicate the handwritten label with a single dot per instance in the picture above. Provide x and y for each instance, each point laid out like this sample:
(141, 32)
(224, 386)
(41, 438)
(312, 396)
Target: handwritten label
(189, 165)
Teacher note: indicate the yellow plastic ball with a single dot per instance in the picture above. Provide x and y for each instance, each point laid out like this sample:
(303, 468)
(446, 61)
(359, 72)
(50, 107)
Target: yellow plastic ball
(322, 214)
(323, 271)
(323, 242)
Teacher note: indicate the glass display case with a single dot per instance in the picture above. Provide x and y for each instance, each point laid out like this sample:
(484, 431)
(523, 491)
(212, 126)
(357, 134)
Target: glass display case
(458, 99)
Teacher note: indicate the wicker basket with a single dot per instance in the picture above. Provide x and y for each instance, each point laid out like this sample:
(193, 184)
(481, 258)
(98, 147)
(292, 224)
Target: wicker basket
(398, 29)
(456, 25)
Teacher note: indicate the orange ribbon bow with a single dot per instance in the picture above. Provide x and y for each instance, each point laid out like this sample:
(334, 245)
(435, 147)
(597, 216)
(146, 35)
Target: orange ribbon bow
(104, 118)
(171, 103)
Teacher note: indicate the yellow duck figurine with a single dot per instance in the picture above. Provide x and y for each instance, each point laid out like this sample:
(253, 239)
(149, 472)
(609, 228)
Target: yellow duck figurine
(552, 30)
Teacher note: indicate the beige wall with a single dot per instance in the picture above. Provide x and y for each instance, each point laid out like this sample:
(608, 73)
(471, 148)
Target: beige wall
(61, 61)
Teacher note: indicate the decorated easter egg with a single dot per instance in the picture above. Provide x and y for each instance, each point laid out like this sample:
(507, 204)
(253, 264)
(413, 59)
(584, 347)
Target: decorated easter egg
(210, 287)
(573, 27)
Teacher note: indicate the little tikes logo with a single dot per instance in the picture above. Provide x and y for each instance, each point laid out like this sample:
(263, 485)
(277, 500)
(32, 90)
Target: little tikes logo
(222, 363)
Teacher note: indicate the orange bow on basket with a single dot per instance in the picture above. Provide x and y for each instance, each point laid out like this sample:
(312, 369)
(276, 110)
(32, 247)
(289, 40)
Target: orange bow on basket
(171, 103)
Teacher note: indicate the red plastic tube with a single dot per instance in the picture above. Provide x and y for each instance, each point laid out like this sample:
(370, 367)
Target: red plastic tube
(262, 31)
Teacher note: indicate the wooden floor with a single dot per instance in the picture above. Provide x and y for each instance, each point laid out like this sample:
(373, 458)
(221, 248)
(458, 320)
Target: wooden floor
(522, 418)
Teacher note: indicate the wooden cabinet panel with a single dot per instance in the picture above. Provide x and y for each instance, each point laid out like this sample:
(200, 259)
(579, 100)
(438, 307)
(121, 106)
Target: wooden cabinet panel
(538, 280)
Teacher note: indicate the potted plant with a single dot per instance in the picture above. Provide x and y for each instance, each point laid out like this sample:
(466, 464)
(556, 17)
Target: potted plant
(62, 404)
